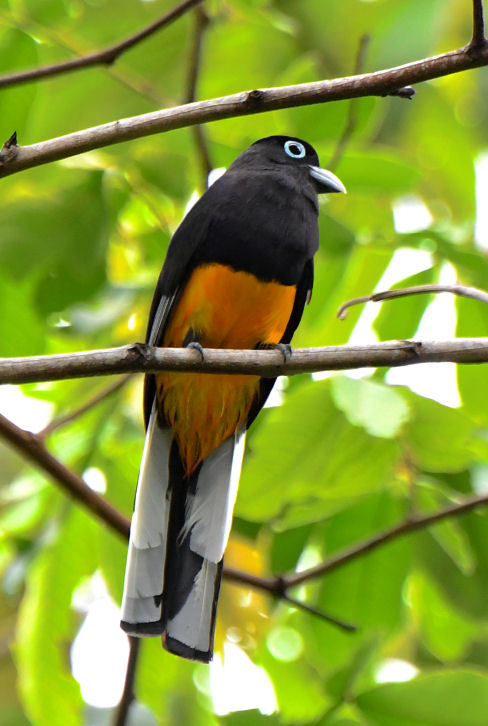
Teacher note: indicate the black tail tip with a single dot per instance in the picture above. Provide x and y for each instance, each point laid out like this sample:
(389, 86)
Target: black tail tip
(185, 651)
(142, 629)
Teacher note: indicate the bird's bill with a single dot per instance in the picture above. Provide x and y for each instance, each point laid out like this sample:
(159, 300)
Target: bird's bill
(326, 181)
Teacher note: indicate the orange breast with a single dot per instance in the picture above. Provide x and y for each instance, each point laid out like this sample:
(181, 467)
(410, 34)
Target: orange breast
(227, 309)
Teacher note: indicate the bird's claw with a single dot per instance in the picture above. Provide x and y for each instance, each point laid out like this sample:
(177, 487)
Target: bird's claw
(285, 349)
(196, 346)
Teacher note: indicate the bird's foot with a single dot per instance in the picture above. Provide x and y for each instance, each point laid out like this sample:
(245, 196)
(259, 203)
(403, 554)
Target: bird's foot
(285, 349)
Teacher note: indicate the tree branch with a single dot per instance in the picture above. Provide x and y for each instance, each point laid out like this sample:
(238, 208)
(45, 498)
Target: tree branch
(106, 56)
(410, 525)
(140, 358)
(32, 448)
(122, 711)
(241, 104)
(352, 115)
(194, 61)
(478, 41)
(473, 293)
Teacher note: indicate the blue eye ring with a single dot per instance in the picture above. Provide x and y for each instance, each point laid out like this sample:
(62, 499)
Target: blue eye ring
(294, 149)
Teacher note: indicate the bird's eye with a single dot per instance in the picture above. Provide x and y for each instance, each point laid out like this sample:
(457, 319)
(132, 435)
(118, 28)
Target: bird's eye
(294, 149)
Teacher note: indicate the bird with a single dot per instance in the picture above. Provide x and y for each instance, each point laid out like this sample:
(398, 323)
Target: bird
(237, 275)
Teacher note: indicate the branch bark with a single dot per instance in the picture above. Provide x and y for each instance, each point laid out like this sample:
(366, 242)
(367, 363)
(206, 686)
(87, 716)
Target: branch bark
(244, 103)
(107, 56)
(140, 358)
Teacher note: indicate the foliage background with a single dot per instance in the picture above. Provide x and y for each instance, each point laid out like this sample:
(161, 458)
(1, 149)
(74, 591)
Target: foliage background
(81, 244)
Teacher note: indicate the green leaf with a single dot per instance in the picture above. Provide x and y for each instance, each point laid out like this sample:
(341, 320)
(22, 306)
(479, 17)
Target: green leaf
(379, 409)
(465, 589)
(298, 688)
(320, 466)
(447, 698)
(337, 279)
(471, 322)
(23, 332)
(448, 633)
(367, 591)
(449, 532)
(165, 684)
(287, 547)
(376, 172)
(46, 622)
(17, 50)
(41, 238)
(447, 171)
(441, 439)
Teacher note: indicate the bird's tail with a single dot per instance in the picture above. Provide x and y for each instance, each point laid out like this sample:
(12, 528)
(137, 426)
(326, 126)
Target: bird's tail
(178, 536)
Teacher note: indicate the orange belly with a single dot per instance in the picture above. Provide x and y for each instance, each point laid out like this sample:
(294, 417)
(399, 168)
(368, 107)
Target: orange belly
(227, 309)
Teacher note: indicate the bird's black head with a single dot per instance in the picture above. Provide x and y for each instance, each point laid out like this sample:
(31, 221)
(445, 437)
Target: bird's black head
(288, 151)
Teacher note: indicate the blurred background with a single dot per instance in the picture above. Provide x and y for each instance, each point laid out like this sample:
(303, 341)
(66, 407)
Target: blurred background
(336, 458)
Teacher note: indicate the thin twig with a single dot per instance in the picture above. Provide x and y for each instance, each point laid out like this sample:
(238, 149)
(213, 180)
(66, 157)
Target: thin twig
(243, 104)
(478, 41)
(106, 56)
(91, 403)
(312, 610)
(266, 363)
(194, 63)
(128, 696)
(126, 76)
(352, 115)
(462, 290)
(201, 22)
(411, 525)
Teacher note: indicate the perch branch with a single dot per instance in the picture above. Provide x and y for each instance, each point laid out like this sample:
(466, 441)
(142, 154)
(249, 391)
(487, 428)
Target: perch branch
(141, 358)
(244, 103)
(107, 56)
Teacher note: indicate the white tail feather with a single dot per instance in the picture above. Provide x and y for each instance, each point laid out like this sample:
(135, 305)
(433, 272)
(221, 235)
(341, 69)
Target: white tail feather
(147, 547)
(209, 512)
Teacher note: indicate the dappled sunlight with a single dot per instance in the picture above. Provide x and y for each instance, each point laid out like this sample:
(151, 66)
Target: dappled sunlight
(236, 684)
